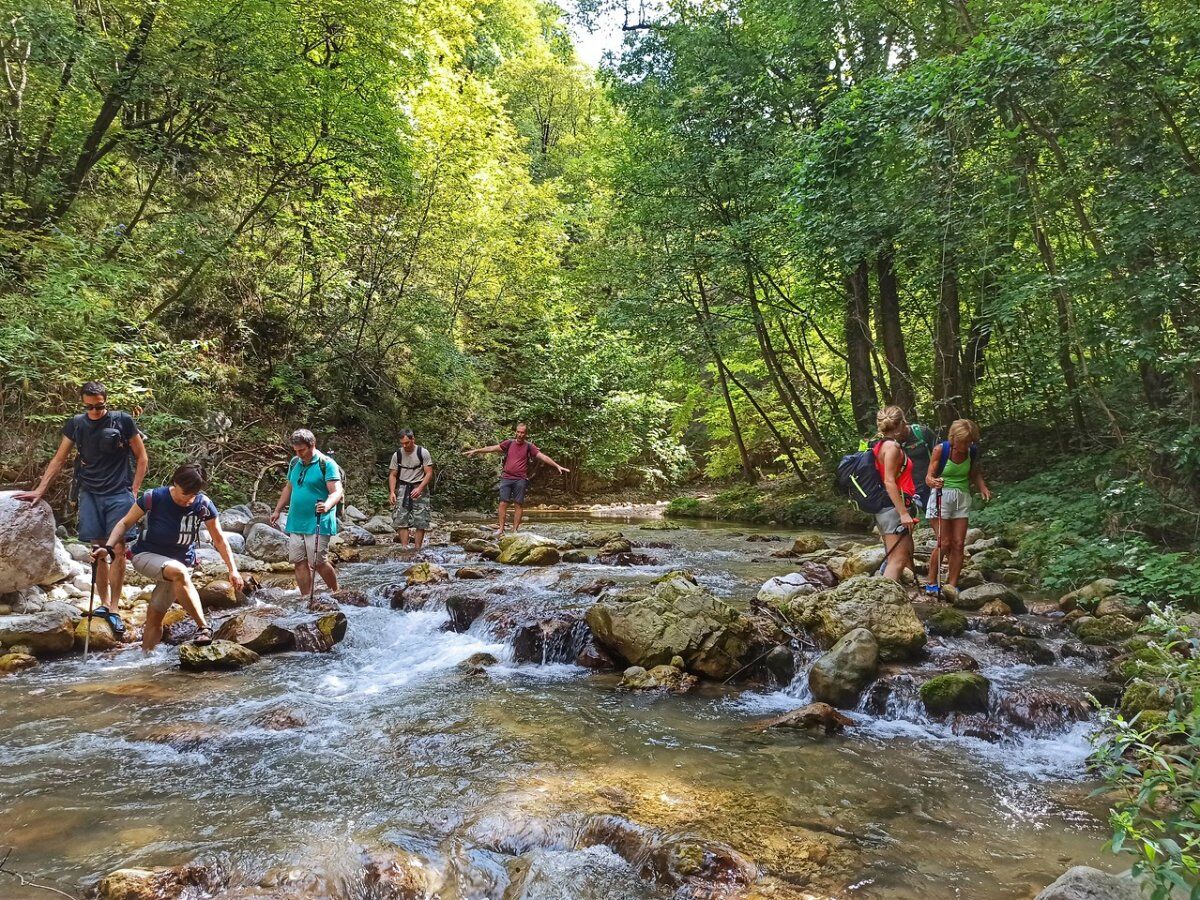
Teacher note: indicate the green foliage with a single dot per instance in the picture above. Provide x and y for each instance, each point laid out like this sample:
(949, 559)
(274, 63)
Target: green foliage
(1146, 753)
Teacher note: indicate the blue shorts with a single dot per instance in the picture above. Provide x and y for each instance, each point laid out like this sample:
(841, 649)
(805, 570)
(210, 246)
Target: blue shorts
(98, 513)
(512, 490)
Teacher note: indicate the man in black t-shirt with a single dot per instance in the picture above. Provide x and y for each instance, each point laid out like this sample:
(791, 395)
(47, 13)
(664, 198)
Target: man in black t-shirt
(105, 443)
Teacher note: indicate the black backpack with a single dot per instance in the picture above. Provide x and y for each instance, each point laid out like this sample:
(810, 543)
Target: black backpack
(858, 480)
(424, 459)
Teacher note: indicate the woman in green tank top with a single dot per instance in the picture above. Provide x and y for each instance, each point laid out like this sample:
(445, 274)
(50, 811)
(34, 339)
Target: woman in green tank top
(953, 468)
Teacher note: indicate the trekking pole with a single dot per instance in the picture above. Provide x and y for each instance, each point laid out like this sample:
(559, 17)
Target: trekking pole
(312, 561)
(87, 634)
(941, 553)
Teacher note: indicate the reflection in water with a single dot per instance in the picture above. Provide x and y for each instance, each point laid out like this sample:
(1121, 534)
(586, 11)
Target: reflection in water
(289, 772)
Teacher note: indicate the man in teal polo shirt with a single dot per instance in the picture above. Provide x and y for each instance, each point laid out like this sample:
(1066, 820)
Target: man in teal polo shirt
(311, 495)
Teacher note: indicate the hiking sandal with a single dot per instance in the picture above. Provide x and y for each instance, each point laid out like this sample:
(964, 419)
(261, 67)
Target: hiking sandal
(203, 638)
(114, 620)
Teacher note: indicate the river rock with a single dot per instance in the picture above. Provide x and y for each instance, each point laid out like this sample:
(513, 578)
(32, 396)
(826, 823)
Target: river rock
(220, 595)
(267, 543)
(464, 609)
(665, 678)
(217, 656)
(946, 622)
(519, 549)
(1027, 649)
(62, 568)
(396, 875)
(592, 656)
(808, 542)
(782, 589)
(380, 524)
(575, 556)
(992, 560)
(256, 633)
(45, 633)
(463, 533)
(615, 546)
(426, 573)
(673, 617)
(955, 692)
(995, 608)
(158, 883)
(1109, 630)
(27, 542)
(1086, 883)
(476, 663)
(813, 715)
(878, 604)
(977, 597)
(839, 675)
(1039, 710)
(320, 634)
(357, 536)
(862, 562)
(102, 634)
(1150, 700)
(1120, 605)
(544, 641)
(15, 662)
(1088, 596)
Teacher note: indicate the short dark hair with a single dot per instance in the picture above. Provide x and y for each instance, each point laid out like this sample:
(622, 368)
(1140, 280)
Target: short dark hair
(93, 389)
(190, 477)
(303, 437)
(406, 432)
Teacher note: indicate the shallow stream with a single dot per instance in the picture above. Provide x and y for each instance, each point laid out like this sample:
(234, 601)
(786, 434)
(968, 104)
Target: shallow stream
(302, 764)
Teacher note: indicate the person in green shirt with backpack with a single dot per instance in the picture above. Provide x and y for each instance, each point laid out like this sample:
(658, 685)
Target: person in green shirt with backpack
(311, 495)
(953, 468)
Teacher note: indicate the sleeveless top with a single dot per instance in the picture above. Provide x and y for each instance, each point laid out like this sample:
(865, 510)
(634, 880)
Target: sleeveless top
(904, 480)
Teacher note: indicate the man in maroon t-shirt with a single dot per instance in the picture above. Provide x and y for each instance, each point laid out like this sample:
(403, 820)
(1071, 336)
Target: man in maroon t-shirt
(518, 452)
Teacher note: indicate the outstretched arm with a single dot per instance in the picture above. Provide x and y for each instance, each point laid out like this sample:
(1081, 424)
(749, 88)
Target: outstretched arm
(493, 448)
(55, 466)
(562, 470)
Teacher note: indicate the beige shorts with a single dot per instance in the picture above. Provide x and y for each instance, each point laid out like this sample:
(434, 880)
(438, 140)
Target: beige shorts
(302, 547)
(151, 565)
(956, 504)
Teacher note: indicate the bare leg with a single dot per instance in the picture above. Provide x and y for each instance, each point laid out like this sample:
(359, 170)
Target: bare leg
(956, 535)
(152, 632)
(900, 557)
(185, 592)
(101, 579)
(503, 515)
(329, 574)
(404, 538)
(420, 539)
(116, 576)
(518, 511)
(935, 558)
(304, 577)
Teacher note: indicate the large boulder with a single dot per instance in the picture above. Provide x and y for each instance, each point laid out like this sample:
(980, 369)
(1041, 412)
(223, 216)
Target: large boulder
(44, 633)
(1109, 630)
(235, 519)
(63, 567)
(357, 536)
(267, 543)
(379, 525)
(221, 594)
(965, 692)
(946, 622)
(321, 633)
(675, 617)
(27, 542)
(518, 549)
(217, 656)
(782, 589)
(464, 609)
(879, 605)
(1085, 883)
(256, 633)
(16, 662)
(808, 542)
(862, 562)
(839, 675)
(102, 637)
(1089, 595)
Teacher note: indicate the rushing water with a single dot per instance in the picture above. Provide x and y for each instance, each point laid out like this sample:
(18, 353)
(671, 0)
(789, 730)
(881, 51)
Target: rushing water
(493, 780)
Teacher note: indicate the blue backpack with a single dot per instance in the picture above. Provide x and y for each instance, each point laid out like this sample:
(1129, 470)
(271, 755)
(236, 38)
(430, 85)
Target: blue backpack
(945, 445)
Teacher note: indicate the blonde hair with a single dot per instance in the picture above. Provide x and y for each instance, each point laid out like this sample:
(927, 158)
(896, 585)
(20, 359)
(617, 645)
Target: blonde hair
(891, 422)
(963, 430)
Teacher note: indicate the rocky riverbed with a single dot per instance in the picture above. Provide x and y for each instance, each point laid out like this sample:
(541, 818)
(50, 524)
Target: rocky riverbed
(579, 714)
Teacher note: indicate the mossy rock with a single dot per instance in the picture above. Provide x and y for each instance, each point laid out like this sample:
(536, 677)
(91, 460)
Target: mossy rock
(426, 573)
(1140, 662)
(575, 556)
(946, 622)
(808, 542)
(1109, 630)
(1142, 696)
(955, 692)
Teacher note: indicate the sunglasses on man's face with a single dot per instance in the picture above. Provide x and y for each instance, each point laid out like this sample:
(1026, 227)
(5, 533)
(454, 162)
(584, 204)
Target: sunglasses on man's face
(94, 406)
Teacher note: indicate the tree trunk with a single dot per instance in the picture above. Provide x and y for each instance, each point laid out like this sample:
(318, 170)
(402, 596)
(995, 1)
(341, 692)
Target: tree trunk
(891, 336)
(947, 377)
(863, 400)
(722, 379)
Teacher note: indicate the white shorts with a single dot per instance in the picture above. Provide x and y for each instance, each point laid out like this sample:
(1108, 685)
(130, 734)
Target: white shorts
(151, 565)
(308, 548)
(956, 504)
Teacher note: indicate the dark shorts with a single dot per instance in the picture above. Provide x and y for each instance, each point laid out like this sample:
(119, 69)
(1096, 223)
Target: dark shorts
(512, 490)
(99, 513)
